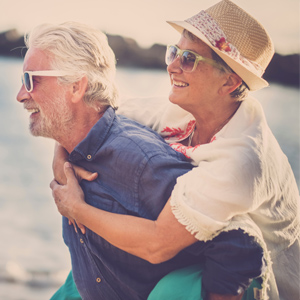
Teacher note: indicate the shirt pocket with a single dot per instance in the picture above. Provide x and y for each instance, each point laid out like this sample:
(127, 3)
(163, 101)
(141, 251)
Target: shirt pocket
(97, 196)
(107, 198)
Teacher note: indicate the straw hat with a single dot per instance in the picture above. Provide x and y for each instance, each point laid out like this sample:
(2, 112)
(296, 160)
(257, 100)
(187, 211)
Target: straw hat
(239, 39)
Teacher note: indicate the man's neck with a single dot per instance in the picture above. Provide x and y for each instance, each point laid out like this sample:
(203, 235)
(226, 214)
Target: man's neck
(79, 129)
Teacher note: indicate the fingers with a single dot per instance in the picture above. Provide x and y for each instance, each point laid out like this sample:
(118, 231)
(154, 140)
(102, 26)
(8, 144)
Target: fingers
(90, 176)
(73, 222)
(81, 173)
(69, 172)
(80, 226)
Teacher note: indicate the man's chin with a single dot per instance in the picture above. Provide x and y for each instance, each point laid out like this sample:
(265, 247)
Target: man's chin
(37, 132)
(33, 133)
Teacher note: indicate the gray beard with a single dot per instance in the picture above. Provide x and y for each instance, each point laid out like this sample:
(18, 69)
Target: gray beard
(56, 125)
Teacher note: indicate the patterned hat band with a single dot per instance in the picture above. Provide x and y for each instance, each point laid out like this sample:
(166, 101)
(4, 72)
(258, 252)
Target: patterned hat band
(215, 35)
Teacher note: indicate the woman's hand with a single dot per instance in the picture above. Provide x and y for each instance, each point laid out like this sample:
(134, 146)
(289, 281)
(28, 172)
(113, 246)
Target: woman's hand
(68, 197)
(60, 157)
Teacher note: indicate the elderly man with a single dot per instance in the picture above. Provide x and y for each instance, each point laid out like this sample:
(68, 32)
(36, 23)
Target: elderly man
(68, 87)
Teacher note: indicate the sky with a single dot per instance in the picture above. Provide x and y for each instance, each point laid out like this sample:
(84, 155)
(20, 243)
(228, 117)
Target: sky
(145, 20)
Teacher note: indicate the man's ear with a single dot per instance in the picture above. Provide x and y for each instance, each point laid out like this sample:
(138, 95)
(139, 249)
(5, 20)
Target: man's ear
(231, 82)
(79, 89)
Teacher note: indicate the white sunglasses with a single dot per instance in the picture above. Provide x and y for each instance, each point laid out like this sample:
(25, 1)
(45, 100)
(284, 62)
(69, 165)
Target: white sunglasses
(27, 77)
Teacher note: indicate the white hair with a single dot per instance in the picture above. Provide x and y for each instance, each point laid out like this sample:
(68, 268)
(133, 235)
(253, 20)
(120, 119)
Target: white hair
(83, 51)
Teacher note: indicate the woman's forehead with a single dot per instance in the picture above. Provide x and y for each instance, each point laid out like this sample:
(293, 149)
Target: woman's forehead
(196, 45)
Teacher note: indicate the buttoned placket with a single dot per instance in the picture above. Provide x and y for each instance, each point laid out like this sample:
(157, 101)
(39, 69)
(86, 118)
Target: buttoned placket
(82, 242)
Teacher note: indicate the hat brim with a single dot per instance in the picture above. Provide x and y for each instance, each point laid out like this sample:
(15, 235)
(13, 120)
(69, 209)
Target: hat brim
(253, 81)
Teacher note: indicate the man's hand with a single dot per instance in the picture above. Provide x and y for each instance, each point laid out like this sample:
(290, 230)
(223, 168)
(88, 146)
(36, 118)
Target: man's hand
(68, 197)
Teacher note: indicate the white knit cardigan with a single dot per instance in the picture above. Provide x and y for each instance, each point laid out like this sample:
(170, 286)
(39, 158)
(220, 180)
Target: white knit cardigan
(242, 179)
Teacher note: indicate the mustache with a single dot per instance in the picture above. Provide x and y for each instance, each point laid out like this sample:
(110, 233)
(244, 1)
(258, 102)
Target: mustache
(30, 104)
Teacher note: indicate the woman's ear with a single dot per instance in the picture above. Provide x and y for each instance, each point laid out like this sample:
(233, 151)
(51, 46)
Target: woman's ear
(79, 89)
(232, 82)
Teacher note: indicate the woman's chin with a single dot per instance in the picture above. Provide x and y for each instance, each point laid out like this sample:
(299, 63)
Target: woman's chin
(174, 98)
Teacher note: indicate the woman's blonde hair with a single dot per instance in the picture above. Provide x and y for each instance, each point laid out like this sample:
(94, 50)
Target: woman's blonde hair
(83, 51)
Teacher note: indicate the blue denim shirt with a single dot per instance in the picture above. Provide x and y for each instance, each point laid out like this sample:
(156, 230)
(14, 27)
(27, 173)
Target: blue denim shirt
(137, 171)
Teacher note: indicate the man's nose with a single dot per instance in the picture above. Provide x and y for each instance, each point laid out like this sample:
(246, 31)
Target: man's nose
(23, 94)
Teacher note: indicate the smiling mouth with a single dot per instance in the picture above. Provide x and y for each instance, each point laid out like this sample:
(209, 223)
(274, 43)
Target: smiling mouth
(180, 83)
(33, 110)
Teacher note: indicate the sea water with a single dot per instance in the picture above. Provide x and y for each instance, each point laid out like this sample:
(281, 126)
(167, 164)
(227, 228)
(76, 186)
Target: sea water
(33, 258)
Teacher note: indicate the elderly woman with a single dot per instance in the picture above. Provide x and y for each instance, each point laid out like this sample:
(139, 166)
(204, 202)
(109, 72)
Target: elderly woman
(241, 179)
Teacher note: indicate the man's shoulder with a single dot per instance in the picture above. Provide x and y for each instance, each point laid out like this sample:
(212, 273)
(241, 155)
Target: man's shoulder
(119, 136)
(128, 134)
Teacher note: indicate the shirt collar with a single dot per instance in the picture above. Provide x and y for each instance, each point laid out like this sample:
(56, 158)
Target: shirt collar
(88, 147)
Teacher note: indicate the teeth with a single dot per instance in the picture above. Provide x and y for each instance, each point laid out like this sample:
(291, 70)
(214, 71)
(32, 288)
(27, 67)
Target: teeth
(33, 110)
(177, 83)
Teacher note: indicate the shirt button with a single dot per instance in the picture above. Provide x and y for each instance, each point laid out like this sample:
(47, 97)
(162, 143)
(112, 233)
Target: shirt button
(81, 241)
(98, 279)
(89, 156)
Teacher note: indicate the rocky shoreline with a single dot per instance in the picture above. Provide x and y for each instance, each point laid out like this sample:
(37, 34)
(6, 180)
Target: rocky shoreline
(283, 69)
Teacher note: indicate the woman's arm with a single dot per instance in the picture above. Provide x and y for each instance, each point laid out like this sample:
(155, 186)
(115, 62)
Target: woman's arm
(160, 240)
(60, 157)
(154, 241)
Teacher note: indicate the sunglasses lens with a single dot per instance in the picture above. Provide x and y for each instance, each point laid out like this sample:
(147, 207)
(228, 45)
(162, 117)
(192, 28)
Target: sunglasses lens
(171, 54)
(187, 60)
(27, 81)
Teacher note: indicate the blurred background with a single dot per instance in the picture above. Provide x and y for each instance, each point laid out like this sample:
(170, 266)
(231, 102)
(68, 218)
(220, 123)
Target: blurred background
(33, 258)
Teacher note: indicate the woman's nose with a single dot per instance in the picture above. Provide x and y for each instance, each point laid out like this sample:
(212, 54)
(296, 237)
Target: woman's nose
(174, 66)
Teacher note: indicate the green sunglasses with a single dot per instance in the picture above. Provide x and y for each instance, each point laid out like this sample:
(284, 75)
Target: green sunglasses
(188, 59)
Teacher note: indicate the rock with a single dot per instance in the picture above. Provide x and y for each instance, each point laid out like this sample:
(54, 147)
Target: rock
(284, 69)
(12, 43)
